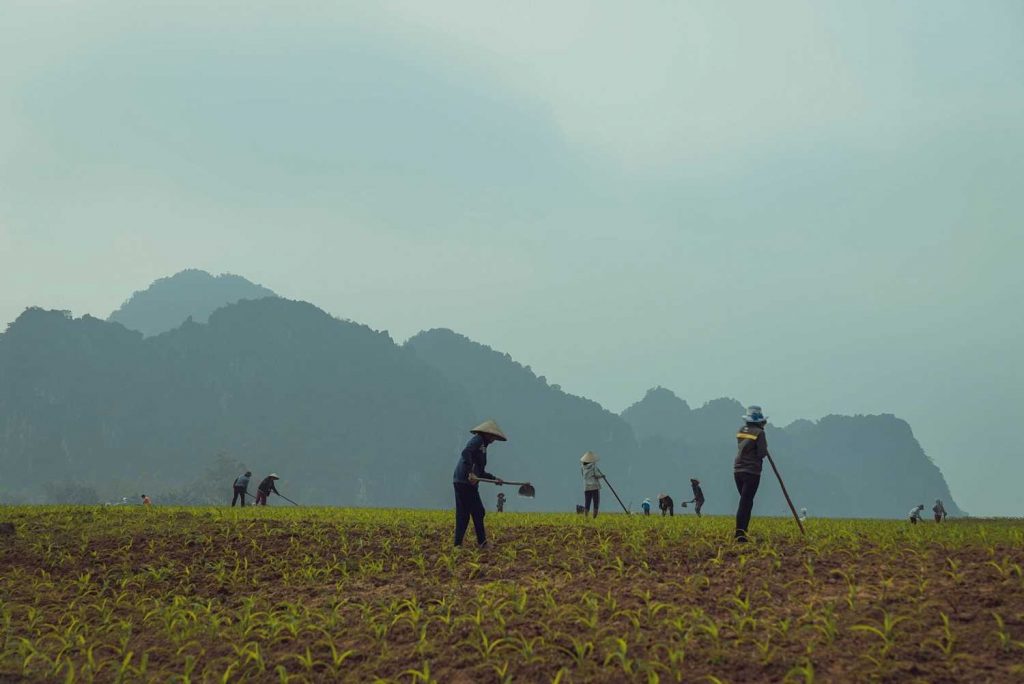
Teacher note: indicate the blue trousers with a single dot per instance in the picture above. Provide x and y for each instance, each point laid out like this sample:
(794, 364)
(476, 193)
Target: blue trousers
(468, 505)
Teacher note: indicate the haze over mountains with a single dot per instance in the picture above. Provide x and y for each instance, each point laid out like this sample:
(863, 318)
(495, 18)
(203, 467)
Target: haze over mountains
(199, 374)
(169, 302)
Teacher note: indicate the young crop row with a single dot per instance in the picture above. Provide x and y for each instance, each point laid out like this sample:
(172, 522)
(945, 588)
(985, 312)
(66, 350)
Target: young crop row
(361, 595)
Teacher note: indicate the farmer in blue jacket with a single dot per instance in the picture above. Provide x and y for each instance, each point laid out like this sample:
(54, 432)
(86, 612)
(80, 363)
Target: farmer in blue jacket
(472, 466)
(241, 487)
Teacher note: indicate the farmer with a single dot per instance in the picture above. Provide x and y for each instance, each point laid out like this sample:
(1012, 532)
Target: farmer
(646, 505)
(939, 511)
(698, 496)
(915, 514)
(666, 505)
(146, 501)
(803, 514)
(470, 467)
(501, 502)
(265, 488)
(591, 482)
(751, 449)
(241, 488)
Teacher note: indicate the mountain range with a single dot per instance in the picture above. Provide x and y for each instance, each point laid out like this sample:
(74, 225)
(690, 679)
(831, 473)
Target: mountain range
(198, 376)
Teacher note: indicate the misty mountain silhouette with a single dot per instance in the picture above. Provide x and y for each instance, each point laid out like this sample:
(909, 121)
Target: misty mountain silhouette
(89, 408)
(169, 302)
(844, 466)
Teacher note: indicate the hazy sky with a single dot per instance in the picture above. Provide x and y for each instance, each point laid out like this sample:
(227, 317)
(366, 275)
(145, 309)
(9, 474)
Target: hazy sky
(814, 206)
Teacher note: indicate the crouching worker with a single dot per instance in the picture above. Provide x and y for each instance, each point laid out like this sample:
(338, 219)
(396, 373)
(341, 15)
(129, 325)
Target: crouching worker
(666, 505)
(265, 488)
(241, 488)
(915, 514)
(591, 482)
(471, 466)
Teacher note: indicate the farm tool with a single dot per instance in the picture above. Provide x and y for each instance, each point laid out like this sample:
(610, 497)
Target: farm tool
(525, 488)
(286, 498)
(786, 494)
(605, 478)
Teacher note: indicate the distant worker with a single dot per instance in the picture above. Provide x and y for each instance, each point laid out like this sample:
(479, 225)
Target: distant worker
(471, 466)
(751, 449)
(803, 514)
(501, 502)
(145, 500)
(646, 505)
(698, 496)
(241, 487)
(591, 482)
(915, 514)
(939, 511)
(666, 505)
(265, 488)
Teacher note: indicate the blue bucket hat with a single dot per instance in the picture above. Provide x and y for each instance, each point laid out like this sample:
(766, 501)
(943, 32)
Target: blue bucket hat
(755, 415)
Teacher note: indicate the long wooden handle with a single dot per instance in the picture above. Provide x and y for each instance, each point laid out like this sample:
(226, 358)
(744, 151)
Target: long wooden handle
(786, 494)
(615, 493)
(508, 482)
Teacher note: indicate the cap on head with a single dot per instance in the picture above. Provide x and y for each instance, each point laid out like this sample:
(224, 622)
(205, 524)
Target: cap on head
(754, 414)
(589, 457)
(491, 429)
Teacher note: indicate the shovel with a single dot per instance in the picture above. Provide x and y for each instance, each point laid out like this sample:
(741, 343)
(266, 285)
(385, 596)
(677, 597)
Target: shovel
(525, 488)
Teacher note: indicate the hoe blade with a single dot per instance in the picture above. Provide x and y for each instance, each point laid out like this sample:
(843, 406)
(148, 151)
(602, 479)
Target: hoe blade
(527, 490)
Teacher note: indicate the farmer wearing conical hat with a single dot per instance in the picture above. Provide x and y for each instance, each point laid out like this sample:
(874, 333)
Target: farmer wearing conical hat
(698, 495)
(751, 450)
(646, 505)
(591, 482)
(470, 467)
(265, 487)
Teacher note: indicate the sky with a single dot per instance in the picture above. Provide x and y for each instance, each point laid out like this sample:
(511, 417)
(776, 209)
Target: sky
(813, 206)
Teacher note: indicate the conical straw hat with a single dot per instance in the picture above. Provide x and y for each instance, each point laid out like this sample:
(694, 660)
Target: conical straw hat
(489, 427)
(589, 457)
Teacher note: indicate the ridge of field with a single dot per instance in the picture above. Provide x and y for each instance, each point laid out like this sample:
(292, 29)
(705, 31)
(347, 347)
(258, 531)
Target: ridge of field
(204, 594)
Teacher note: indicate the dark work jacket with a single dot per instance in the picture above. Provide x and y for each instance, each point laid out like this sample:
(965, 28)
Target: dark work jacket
(751, 448)
(698, 494)
(666, 503)
(267, 486)
(473, 460)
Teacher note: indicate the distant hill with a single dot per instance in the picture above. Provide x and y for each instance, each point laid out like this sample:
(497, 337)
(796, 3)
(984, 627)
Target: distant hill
(342, 413)
(859, 466)
(169, 302)
(93, 409)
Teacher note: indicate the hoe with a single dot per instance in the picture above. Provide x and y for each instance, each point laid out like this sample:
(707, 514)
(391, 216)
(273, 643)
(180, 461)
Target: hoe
(525, 488)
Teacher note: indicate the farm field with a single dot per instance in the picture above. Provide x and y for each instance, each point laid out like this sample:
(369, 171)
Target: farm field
(188, 595)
